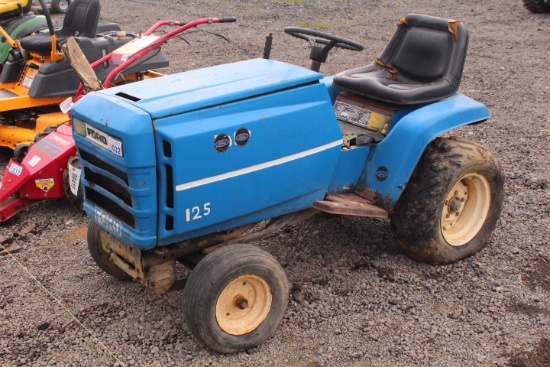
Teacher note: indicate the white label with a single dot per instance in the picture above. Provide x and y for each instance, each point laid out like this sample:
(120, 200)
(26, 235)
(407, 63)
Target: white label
(115, 146)
(96, 136)
(104, 140)
(66, 105)
(74, 179)
(34, 160)
(27, 82)
(16, 169)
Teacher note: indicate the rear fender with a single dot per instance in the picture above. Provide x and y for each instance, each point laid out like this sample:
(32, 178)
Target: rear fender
(391, 163)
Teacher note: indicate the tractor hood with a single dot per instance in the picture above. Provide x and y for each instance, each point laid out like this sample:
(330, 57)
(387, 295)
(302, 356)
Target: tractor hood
(196, 89)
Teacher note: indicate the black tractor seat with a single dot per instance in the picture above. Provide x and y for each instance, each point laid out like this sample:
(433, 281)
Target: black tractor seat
(423, 62)
(81, 20)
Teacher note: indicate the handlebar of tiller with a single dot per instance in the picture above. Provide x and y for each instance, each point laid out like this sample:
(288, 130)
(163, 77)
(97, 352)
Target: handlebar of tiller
(182, 27)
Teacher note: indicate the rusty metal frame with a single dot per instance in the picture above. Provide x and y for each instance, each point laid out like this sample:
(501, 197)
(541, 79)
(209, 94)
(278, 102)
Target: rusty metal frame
(155, 268)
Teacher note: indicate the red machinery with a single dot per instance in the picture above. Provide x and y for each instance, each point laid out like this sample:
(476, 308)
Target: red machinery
(46, 171)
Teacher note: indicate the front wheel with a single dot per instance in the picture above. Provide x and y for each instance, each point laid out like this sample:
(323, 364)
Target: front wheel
(451, 204)
(235, 298)
(102, 257)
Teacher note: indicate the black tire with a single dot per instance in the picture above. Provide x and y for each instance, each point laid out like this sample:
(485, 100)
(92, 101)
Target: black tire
(60, 6)
(100, 256)
(536, 6)
(76, 200)
(214, 295)
(27, 8)
(451, 204)
(20, 152)
(45, 132)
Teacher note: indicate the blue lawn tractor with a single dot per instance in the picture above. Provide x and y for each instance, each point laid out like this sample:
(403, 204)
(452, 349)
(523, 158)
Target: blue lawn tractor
(190, 168)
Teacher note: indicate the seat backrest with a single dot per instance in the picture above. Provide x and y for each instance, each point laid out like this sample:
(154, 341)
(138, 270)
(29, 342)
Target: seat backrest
(426, 49)
(82, 17)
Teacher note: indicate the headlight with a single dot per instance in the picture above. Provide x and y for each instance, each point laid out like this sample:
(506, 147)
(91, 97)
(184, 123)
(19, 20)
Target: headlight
(79, 126)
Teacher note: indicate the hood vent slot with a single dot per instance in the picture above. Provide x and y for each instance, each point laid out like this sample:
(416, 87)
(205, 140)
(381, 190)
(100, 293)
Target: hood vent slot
(127, 96)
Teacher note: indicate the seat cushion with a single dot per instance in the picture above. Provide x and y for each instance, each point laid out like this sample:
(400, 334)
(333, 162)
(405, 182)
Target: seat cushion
(422, 62)
(373, 82)
(40, 43)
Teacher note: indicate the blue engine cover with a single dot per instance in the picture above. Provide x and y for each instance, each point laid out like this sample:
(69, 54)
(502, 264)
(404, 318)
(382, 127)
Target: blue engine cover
(231, 144)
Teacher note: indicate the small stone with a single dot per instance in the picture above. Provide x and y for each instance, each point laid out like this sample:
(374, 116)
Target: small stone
(356, 355)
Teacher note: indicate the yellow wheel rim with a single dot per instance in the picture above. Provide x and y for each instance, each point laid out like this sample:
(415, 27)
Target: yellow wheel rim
(243, 305)
(465, 209)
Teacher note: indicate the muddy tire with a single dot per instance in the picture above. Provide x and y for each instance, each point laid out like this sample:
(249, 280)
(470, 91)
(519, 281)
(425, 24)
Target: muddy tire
(235, 298)
(76, 200)
(451, 204)
(100, 256)
(536, 6)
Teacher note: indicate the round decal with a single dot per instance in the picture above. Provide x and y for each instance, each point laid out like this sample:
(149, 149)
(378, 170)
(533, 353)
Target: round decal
(222, 142)
(382, 173)
(242, 136)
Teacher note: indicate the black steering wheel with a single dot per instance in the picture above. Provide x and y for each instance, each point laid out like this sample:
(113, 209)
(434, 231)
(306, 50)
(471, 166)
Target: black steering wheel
(315, 37)
(319, 54)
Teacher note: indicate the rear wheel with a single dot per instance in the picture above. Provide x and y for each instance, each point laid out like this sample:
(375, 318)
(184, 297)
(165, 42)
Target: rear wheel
(235, 298)
(537, 6)
(451, 204)
(60, 6)
(100, 256)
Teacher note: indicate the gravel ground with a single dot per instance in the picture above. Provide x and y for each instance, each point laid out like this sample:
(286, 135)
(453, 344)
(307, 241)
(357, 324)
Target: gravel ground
(356, 299)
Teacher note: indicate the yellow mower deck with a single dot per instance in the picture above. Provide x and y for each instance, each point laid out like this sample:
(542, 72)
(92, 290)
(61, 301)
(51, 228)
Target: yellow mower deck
(11, 136)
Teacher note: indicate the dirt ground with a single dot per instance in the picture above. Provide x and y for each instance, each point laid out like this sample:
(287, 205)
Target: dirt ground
(356, 299)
